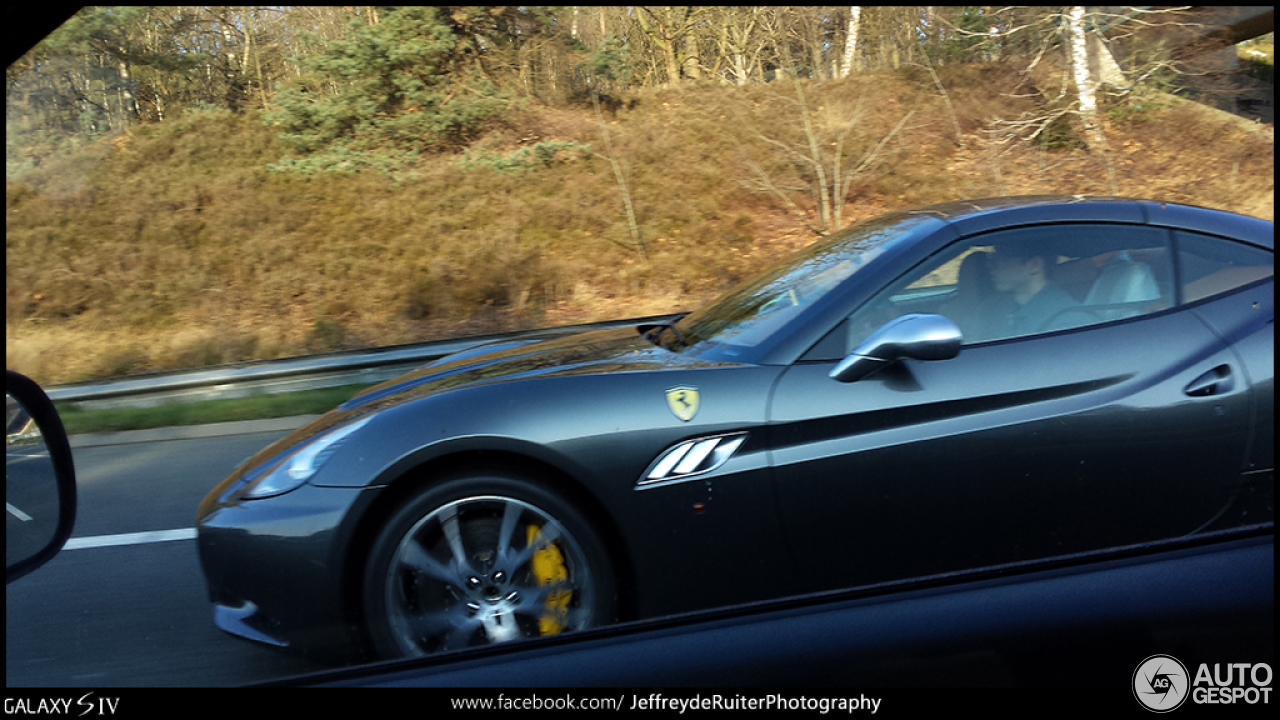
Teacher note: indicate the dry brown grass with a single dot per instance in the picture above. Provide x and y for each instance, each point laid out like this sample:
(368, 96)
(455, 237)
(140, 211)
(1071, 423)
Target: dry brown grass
(174, 247)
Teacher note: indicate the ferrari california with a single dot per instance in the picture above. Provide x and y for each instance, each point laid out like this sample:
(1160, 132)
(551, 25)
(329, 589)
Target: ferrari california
(981, 384)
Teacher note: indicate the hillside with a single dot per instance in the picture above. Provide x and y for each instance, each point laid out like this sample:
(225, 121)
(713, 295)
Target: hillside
(176, 245)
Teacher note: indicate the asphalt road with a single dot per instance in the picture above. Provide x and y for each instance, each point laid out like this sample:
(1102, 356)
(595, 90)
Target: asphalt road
(135, 614)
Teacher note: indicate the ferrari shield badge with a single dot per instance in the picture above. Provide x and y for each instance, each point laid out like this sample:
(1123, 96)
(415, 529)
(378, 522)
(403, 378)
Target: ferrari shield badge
(683, 402)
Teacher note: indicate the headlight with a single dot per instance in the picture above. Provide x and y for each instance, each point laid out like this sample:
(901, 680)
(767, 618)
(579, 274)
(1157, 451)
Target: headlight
(296, 469)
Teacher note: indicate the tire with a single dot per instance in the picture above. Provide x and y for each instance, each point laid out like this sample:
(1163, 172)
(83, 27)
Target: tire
(483, 558)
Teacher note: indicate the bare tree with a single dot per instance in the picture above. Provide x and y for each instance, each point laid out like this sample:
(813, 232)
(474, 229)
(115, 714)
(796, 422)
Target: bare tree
(827, 174)
(668, 28)
(612, 158)
(946, 97)
(741, 40)
(1088, 65)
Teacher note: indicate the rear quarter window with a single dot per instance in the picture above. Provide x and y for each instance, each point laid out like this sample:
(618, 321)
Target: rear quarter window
(1211, 266)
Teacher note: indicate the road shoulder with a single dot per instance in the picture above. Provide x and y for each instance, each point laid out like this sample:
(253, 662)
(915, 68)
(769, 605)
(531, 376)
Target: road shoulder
(186, 432)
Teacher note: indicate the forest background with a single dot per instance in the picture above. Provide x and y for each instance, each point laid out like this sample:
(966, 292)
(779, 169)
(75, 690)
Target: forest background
(188, 186)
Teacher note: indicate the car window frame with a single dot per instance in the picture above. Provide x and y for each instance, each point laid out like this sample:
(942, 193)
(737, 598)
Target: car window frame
(819, 351)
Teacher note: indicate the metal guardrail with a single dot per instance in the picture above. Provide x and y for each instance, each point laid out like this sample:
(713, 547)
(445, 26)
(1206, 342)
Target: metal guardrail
(293, 374)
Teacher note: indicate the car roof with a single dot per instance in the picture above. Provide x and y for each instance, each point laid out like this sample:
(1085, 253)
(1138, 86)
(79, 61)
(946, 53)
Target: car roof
(974, 216)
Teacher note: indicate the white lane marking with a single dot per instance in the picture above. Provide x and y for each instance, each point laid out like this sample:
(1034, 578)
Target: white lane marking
(17, 513)
(139, 538)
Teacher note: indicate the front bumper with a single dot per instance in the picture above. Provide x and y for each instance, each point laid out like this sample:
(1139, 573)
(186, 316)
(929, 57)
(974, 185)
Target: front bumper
(275, 567)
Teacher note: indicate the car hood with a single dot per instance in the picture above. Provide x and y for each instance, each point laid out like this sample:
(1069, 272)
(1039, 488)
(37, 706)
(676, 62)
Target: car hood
(612, 350)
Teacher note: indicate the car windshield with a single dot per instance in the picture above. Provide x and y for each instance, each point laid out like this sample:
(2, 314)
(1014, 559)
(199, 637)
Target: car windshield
(747, 316)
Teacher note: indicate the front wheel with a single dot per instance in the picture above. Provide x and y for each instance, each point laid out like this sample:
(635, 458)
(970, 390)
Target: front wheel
(483, 559)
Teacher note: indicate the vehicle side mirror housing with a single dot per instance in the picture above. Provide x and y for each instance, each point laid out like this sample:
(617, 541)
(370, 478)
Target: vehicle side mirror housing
(916, 336)
(39, 478)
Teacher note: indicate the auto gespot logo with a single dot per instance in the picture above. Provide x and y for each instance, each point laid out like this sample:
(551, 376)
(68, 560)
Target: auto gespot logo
(1162, 684)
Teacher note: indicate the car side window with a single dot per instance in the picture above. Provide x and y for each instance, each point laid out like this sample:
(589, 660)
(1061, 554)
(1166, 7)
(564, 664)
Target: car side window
(1210, 266)
(1032, 280)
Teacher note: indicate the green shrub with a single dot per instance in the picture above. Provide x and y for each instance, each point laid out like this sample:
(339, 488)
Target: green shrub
(542, 154)
(377, 99)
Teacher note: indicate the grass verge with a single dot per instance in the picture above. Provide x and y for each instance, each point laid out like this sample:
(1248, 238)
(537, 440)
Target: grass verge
(78, 420)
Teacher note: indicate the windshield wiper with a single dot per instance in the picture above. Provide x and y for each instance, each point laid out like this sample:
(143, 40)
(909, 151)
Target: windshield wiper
(655, 330)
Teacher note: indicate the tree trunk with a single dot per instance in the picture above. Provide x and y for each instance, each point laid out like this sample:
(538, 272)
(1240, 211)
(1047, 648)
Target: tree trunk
(673, 67)
(1086, 86)
(526, 71)
(692, 63)
(851, 41)
(740, 68)
(257, 66)
(663, 37)
(1103, 64)
(126, 84)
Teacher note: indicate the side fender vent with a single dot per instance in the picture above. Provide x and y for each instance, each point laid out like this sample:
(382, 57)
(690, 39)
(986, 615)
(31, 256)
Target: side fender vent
(693, 457)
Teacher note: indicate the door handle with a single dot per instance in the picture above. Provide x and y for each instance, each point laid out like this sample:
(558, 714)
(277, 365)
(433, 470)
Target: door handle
(1215, 382)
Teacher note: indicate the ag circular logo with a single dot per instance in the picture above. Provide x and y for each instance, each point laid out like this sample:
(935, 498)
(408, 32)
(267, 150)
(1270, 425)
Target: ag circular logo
(1160, 683)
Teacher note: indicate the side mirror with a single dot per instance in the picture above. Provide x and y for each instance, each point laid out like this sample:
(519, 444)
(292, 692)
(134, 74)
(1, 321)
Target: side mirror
(916, 336)
(39, 478)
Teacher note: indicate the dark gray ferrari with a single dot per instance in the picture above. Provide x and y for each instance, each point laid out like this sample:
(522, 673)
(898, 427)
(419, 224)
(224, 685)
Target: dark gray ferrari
(971, 386)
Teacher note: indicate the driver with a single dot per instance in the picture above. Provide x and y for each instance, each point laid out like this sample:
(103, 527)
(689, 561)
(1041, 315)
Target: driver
(1022, 273)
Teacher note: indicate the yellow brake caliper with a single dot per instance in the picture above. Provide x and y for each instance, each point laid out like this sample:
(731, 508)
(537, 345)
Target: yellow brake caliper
(548, 568)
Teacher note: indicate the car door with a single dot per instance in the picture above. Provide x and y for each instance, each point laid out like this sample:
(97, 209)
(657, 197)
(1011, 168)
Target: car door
(1231, 287)
(1021, 447)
